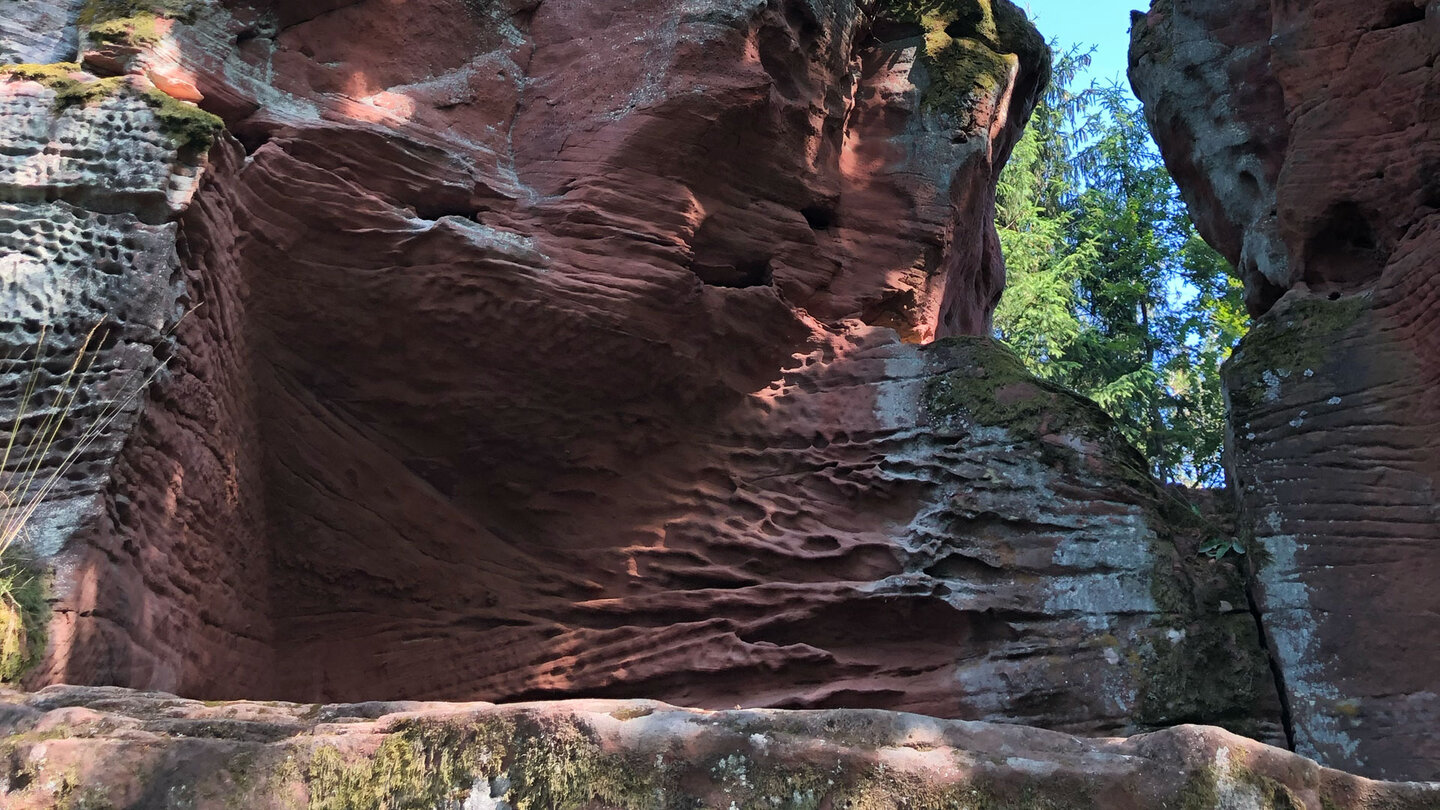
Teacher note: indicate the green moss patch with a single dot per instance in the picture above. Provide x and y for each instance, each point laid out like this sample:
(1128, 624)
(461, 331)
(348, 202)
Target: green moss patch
(61, 77)
(54, 76)
(971, 47)
(24, 616)
(1301, 336)
(133, 31)
(421, 765)
(95, 12)
(189, 125)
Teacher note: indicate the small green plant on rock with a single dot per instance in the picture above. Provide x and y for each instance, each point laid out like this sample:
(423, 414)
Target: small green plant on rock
(1218, 547)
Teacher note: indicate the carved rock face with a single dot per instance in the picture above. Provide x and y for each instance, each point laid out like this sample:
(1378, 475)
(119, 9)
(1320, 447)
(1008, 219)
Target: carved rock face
(1305, 136)
(572, 349)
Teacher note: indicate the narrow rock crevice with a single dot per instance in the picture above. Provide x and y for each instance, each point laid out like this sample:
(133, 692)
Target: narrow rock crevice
(1277, 672)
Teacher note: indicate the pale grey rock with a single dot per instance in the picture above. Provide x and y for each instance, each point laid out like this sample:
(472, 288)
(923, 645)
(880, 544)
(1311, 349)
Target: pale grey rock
(38, 31)
(91, 277)
(109, 156)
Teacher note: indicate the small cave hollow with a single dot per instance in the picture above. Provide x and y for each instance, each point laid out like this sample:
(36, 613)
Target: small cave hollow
(1345, 252)
(723, 255)
(1404, 12)
(820, 216)
(739, 273)
(887, 30)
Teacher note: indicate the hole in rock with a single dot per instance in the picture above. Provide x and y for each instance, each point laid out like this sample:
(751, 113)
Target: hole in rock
(744, 273)
(730, 251)
(109, 335)
(969, 16)
(1249, 183)
(848, 699)
(801, 17)
(1402, 13)
(893, 31)
(728, 254)
(824, 544)
(820, 217)
(1345, 252)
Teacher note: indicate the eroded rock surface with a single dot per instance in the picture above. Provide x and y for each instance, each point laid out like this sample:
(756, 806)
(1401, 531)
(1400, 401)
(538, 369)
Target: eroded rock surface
(1307, 139)
(113, 748)
(570, 349)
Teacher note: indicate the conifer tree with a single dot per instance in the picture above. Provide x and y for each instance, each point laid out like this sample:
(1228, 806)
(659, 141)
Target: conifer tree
(1111, 291)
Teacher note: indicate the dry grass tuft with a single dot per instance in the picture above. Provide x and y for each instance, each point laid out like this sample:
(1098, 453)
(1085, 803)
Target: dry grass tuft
(41, 447)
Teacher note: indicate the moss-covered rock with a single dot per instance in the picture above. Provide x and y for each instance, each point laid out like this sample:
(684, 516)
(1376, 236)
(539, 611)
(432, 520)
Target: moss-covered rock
(1199, 661)
(972, 48)
(1289, 341)
(24, 615)
(420, 765)
(1211, 670)
(72, 86)
(575, 755)
(189, 125)
(133, 31)
(991, 387)
(96, 12)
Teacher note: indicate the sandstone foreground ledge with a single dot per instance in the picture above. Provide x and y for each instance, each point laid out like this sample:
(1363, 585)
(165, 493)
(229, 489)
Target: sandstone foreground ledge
(96, 747)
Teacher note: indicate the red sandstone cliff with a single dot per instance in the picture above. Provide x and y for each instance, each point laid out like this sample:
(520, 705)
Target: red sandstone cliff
(1307, 139)
(563, 348)
(570, 349)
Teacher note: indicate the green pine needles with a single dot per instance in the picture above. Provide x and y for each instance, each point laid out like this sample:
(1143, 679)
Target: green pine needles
(1111, 291)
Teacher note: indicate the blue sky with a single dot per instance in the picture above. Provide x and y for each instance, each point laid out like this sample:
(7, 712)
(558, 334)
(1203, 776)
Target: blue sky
(1102, 23)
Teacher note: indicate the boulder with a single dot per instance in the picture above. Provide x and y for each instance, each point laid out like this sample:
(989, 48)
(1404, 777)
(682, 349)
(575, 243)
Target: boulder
(97, 747)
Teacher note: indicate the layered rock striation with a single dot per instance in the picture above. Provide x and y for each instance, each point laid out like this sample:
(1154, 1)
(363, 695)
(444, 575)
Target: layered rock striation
(542, 350)
(1305, 138)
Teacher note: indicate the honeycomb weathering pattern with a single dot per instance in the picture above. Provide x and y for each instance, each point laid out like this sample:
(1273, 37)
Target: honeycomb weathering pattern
(84, 250)
(543, 350)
